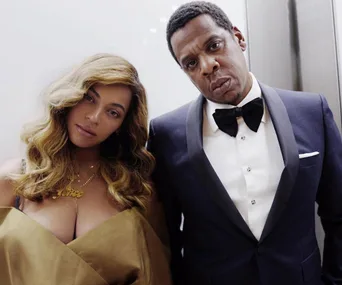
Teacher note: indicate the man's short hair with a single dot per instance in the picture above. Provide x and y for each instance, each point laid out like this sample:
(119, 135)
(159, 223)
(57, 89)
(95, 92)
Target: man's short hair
(189, 11)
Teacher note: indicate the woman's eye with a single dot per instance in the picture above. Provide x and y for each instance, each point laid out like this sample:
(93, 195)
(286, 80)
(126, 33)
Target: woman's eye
(113, 113)
(87, 97)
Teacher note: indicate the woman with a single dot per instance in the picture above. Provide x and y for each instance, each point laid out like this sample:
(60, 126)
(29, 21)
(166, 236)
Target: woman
(75, 210)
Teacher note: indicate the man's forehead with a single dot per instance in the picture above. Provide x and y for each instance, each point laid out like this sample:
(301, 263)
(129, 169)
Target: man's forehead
(196, 32)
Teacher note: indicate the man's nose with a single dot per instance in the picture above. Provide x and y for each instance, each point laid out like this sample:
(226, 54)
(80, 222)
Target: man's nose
(209, 65)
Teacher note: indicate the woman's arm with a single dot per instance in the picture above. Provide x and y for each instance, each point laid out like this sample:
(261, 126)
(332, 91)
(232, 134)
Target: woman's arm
(7, 196)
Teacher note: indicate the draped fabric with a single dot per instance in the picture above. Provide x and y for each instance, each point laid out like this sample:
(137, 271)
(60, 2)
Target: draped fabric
(122, 250)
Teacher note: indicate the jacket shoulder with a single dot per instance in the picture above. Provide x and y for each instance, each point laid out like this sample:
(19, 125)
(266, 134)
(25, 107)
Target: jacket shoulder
(299, 96)
(171, 119)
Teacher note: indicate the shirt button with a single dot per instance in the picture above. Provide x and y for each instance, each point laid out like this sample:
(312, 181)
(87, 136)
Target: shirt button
(253, 202)
(243, 138)
(249, 169)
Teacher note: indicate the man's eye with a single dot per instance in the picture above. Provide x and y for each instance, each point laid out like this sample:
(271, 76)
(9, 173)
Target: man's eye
(214, 46)
(191, 64)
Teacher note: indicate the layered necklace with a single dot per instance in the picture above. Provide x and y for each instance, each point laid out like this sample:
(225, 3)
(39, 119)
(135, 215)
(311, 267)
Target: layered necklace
(72, 191)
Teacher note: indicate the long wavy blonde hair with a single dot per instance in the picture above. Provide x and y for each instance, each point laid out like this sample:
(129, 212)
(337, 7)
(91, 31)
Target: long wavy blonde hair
(126, 165)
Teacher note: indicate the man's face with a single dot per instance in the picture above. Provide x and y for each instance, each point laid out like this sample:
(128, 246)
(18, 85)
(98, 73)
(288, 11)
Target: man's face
(213, 59)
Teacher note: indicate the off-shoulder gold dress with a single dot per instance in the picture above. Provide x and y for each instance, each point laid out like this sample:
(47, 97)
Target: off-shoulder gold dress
(123, 250)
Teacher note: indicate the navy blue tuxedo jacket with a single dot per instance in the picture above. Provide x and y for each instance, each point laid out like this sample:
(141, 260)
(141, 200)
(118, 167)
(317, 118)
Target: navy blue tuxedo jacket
(216, 247)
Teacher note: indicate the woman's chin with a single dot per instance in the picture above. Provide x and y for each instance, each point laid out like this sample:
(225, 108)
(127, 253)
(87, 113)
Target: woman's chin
(83, 144)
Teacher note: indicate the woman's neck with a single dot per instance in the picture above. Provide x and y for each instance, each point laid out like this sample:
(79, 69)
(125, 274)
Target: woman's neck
(86, 158)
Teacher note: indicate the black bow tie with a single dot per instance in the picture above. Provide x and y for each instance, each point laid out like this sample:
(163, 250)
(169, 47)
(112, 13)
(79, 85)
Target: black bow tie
(251, 112)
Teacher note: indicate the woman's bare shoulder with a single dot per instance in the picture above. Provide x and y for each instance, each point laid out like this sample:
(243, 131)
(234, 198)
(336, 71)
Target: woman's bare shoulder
(11, 166)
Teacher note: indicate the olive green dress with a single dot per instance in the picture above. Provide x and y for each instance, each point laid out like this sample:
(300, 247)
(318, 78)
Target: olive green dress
(123, 250)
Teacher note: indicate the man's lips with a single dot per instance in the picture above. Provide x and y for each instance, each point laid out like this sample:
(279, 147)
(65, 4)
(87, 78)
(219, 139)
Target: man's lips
(223, 88)
(218, 83)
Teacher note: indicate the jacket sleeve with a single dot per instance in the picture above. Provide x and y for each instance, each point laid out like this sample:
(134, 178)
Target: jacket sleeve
(329, 199)
(166, 193)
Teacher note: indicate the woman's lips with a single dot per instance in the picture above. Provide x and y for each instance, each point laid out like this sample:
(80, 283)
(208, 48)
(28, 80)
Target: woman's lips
(84, 131)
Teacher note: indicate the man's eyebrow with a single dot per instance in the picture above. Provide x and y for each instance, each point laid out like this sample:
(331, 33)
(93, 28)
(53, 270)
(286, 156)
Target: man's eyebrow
(211, 38)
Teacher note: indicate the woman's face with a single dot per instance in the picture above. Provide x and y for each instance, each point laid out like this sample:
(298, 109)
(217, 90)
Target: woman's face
(98, 115)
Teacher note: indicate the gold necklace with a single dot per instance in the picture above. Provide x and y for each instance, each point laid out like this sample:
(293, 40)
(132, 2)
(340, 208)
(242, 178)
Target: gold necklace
(70, 191)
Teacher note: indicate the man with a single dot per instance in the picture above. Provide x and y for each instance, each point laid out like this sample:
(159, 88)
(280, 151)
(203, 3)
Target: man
(244, 164)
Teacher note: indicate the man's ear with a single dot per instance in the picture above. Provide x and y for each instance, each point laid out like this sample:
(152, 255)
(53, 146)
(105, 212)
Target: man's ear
(239, 38)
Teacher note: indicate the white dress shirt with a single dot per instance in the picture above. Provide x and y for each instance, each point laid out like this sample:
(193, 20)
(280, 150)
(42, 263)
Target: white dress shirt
(248, 165)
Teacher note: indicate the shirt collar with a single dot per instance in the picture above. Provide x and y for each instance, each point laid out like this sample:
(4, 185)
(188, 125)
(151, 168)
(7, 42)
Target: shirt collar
(254, 93)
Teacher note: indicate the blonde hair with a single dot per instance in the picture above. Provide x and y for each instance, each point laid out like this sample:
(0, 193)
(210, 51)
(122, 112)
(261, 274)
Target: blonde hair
(126, 165)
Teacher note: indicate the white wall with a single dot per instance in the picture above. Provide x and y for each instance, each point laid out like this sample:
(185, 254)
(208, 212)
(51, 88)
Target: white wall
(41, 39)
(337, 5)
(271, 54)
(317, 51)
